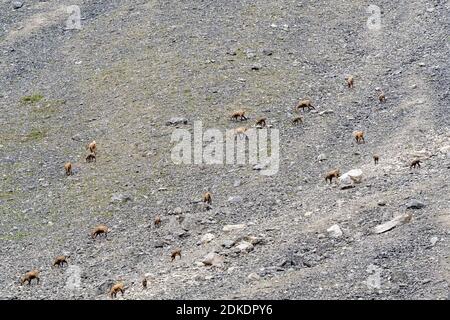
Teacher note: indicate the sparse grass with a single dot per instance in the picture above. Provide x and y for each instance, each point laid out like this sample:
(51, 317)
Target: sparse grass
(34, 98)
(6, 196)
(14, 237)
(35, 134)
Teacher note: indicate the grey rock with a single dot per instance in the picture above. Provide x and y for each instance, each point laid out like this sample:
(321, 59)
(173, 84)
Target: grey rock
(235, 199)
(176, 121)
(334, 231)
(17, 4)
(122, 198)
(415, 204)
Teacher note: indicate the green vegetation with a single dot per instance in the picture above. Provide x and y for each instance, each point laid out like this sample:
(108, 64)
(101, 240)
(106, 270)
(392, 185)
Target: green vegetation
(34, 98)
(35, 134)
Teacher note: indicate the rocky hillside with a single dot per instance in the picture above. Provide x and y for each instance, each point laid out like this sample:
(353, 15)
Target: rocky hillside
(134, 65)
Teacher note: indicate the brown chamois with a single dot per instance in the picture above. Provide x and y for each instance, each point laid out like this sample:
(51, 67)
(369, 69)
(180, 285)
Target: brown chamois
(415, 163)
(261, 122)
(100, 229)
(359, 136)
(332, 174)
(116, 288)
(92, 147)
(240, 131)
(349, 81)
(68, 168)
(144, 283)
(60, 261)
(381, 95)
(207, 198)
(91, 158)
(297, 120)
(306, 103)
(157, 221)
(239, 114)
(175, 253)
(376, 158)
(34, 274)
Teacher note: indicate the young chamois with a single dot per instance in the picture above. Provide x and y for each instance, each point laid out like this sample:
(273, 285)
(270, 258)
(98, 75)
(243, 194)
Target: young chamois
(34, 274)
(92, 147)
(239, 114)
(349, 81)
(297, 120)
(207, 198)
(157, 221)
(261, 122)
(91, 158)
(332, 174)
(381, 95)
(240, 132)
(100, 229)
(60, 261)
(116, 288)
(415, 163)
(144, 283)
(376, 158)
(175, 253)
(68, 168)
(303, 104)
(359, 136)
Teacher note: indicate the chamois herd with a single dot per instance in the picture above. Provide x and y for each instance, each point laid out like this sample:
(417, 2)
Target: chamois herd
(239, 115)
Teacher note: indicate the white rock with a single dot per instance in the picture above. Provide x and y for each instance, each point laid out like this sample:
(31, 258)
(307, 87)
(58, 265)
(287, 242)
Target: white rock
(213, 259)
(245, 246)
(350, 178)
(334, 231)
(208, 237)
(253, 276)
(233, 227)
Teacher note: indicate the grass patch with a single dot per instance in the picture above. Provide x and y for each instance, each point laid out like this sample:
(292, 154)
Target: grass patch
(14, 237)
(35, 134)
(34, 98)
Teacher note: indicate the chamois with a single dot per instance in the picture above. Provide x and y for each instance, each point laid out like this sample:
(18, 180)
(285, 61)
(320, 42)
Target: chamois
(240, 131)
(381, 96)
(157, 221)
(332, 174)
(261, 122)
(144, 283)
(91, 158)
(297, 120)
(376, 158)
(92, 147)
(116, 288)
(359, 136)
(238, 114)
(34, 274)
(60, 260)
(207, 198)
(100, 229)
(349, 81)
(175, 253)
(68, 168)
(303, 104)
(415, 163)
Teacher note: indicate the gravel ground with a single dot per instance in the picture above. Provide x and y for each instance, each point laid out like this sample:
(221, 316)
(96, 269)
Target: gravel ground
(134, 65)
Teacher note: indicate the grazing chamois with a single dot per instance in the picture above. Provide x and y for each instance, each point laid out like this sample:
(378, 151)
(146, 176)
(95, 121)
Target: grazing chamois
(207, 198)
(381, 95)
(305, 104)
(100, 229)
(349, 81)
(116, 288)
(92, 147)
(261, 122)
(376, 158)
(415, 163)
(91, 158)
(157, 221)
(332, 174)
(68, 168)
(30, 275)
(175, 253)
(359, 136)
(60, 261)
(240, 114)
(297, 120)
